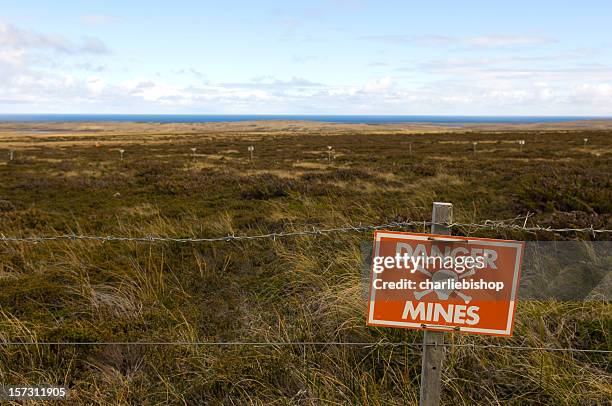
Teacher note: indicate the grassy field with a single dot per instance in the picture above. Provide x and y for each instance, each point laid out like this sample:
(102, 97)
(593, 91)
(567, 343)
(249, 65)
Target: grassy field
(68, 178)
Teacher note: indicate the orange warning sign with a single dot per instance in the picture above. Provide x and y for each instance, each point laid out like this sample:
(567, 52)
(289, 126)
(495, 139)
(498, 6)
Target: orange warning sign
(443, 282)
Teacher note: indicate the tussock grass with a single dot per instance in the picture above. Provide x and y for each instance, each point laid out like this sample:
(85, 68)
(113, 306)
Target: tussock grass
(301, 289)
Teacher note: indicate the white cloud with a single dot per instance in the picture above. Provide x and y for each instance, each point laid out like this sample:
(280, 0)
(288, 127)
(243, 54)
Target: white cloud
(12, 37)
(270, 82)
(378, 96)
(95, 84)
(493, 41)
(377, 64)
(92, 45)
(37, 73)
(11, 57)
(381, 85)
(484, 41)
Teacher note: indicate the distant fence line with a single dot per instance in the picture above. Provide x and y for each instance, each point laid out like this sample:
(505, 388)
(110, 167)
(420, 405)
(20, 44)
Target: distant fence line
(313, 231)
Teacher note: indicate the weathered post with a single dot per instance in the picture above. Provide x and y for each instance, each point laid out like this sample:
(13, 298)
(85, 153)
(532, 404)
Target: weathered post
(474, 145)
(521, 143)
(121, 151)
(251, 149)
(11, 155)
(193, 153)
(329, 153)
(433, 350)
(585, 140)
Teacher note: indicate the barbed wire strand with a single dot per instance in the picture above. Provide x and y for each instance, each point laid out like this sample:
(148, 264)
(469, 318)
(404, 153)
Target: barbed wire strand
(488, 224)
(306, 343)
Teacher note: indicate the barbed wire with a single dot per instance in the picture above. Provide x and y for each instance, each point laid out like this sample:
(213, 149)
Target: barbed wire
(305, 343)
(314, 231)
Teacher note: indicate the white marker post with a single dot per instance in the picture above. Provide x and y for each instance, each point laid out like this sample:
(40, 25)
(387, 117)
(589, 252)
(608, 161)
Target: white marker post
(433, 351)
(329, 153)
(11, 155)
(585, 140)
(410, 148)
(474, 145)
(251, 149)
(121, 151)
(193, 151)
(521, 143)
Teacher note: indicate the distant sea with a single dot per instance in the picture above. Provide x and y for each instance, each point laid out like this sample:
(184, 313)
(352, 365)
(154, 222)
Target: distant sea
(353, 119)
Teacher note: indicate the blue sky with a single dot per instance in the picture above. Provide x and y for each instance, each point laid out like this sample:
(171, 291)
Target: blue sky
(316, 57)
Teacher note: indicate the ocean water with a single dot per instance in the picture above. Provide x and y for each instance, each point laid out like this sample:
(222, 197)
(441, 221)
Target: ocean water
(355, 119)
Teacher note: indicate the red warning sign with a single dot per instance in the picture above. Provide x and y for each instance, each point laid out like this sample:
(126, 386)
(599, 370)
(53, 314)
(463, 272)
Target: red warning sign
(443, 282)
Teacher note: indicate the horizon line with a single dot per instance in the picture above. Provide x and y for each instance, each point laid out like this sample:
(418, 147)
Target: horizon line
(306, 115)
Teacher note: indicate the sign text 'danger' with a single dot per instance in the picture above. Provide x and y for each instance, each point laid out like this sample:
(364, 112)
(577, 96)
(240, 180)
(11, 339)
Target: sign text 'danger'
(443, 282)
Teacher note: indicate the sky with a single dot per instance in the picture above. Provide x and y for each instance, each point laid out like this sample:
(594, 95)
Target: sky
(407, 57)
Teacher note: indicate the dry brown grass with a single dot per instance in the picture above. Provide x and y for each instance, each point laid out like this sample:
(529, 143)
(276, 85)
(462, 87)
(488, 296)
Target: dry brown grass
(306, 289)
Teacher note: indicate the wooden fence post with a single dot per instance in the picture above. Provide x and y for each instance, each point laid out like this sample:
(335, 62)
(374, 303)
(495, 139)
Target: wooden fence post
(433, 350)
